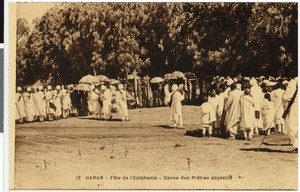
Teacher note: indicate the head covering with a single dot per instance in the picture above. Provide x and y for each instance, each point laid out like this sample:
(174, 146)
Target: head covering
(120, 86)
(285, 82)
(238, 86)
(28, 89)
(19, 89)
(103, 87)
(92, 87)
(174, 87)
(266, 81)
(229, 82)
(58, 87)
(40, 88)
(49, 88)
(253, 82)
(235, 79)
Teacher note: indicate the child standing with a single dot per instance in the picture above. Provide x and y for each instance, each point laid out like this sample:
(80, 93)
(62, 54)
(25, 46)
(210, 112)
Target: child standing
(208, 116)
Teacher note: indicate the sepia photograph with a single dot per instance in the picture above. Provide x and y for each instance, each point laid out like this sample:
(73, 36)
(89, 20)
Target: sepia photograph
(162, 95)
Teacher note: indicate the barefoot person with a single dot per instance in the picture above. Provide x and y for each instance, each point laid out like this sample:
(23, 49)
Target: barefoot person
(176, 106)
(290, 98)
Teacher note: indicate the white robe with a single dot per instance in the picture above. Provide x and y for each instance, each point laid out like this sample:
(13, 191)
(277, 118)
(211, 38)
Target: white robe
(57, 103)
(268, 114)
(233, 111)
(247, 113)
(176, 106)
(96, 107)
(291, 121)
(20, 106)
(257, 94)
(49, 102)
(207, 113)
(40, 101)
(122, 103)
(215, 102)
(29, 106)
(107, 98)
(278, 107)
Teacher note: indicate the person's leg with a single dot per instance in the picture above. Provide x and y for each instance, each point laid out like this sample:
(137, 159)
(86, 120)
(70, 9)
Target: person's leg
(203, 131)
(180, 121)
(209, 131)
(245, 135)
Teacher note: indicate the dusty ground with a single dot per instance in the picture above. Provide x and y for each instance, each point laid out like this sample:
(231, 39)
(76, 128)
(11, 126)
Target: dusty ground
(145, 146)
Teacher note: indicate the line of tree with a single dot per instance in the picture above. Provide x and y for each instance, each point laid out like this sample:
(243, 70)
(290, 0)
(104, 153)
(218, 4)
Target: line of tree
(74, 39)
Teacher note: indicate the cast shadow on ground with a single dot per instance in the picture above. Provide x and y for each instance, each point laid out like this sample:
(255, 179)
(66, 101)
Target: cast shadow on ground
(92, 118)
(164, 126)
(276, 144)
(267, 150)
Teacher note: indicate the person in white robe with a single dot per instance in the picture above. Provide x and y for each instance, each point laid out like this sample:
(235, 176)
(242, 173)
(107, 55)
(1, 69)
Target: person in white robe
(257, 95)
(215, 101)
(50, 103)
(277, 102)
(20, 106)
(29, 105)
(57, 102)
(232, 108)
(208, 116)
(40, 100)
(65, 101)
(176, 106)
(291, 120)
(247, 114)
(106, 98)
(122, 103)
(95, 101)
(268, 114)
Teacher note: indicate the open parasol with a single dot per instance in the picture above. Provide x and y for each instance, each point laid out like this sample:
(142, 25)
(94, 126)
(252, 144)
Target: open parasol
(157, 80)
(170, 76)
(178, 74)
(89, 79)
(83, 87)
(103, 78)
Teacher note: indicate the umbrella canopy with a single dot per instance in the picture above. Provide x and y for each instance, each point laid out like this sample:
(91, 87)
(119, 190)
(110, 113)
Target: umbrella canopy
(114, 81)
(190, 75)
(178, 74)
(170, 76)
(103, 78)
(157, 80)
(89, 79)
(83, 87)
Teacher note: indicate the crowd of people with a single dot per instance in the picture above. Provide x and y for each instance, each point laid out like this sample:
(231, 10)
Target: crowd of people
(250, 106)
(40, 104)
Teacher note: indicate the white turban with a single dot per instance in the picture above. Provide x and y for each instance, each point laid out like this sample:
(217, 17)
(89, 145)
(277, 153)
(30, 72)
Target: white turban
(285, 82)
(103, 87)
(174, 87)
(253, 82)
(266, 81)
(28, 89)
(49, 87)
(19, 89)
(229, 82)
(40, 88)
(58, 87)
(120, 86)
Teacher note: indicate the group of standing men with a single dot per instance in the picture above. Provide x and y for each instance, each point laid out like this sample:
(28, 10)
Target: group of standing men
(40, 104)
(250, 105)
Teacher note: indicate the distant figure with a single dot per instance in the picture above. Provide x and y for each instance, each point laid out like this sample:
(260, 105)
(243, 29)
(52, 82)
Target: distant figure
(50, 104)
(107, 99)
(208, 116)
(247, 114)
(257, 94)
(20, 106)
(268, 113)
(95, 102)
(41, 103)
(122, 102)
(176, 106)
(290, 99)
(233, 112)
(29, 105)
(276, 97)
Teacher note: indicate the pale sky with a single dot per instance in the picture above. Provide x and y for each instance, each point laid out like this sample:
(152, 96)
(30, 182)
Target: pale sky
(30, 11)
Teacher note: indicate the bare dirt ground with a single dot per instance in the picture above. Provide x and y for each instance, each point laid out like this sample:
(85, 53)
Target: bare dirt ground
(65, 154)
